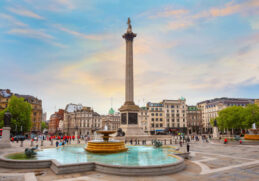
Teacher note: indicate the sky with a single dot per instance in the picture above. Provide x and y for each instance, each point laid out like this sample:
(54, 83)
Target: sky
(65, 51)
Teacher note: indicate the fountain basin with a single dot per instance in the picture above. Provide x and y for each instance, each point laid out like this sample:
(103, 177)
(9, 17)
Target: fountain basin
(137, 161)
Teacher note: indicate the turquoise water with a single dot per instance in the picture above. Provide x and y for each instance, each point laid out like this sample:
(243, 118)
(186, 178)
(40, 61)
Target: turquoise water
(135, 156)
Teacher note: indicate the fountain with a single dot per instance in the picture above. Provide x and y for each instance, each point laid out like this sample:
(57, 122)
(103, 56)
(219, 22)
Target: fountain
(106, 145)
(253, 134)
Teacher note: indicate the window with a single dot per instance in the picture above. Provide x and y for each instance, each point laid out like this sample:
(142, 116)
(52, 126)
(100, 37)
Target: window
(172, 106)
(156, 125)
(156, 109)
(152, 119)
(172, 120)
(156, 119)
(152, 125)
(178, 125)
(177, 111)
(172, 115)
(183, 125)
(172, 110)
(152, 114)
(173, 125)
(161, 119)
(156, 114)
(168, 125)
(161, 125)
(160, 114)
(183, 120)
(167, 120)
(177, 120)
(160, 109)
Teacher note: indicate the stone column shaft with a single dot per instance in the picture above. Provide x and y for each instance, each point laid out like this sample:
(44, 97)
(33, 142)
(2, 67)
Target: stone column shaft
(129, 91)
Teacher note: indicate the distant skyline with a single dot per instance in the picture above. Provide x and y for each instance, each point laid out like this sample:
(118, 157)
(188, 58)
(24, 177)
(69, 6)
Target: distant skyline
(65, 51)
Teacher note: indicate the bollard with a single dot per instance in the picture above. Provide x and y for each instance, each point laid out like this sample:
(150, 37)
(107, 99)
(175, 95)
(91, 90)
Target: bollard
(41, 143)
(31, 143)
(21, 143)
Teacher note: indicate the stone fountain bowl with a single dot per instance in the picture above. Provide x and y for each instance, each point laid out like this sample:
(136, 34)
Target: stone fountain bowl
(106, 131)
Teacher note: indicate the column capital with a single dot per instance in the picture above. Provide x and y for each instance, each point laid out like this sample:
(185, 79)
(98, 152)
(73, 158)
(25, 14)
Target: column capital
(129, 36)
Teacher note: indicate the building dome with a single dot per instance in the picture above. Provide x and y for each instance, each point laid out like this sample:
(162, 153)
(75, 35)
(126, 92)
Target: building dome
(111, 111)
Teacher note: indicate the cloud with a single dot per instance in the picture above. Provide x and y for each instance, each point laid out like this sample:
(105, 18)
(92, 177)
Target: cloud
(26, 13)
(81, 35)
(174, 19)
(169, 13)
(50, 5)
(11, 20)
(38, 34)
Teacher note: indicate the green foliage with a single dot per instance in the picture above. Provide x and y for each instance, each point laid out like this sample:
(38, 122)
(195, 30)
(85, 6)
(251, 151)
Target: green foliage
(251, 116)
(21, 114)
(237, 117)
(2, 118)
(43, 125)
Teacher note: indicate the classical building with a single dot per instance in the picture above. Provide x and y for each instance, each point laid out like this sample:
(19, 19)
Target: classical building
(44, 117)
(168, 114)
(143, 117)
(210, 108)
(112, 120)
(5, 95)
(36, 105)
(194, 121)
(80, 120)
(54, 121)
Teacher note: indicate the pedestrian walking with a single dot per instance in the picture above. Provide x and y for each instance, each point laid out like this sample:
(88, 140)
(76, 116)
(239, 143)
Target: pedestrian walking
(57, 143)
(188, 147)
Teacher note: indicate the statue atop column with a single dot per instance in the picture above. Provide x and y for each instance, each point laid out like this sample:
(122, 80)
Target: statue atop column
(7, 119)
(129, 26)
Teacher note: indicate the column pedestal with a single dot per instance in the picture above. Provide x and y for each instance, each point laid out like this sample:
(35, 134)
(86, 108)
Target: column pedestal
(215, 132)
(5, 141)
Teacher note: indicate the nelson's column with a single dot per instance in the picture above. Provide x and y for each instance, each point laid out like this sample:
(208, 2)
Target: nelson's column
(129, 111)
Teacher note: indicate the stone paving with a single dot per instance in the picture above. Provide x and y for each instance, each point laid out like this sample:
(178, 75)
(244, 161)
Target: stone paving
(209, 161)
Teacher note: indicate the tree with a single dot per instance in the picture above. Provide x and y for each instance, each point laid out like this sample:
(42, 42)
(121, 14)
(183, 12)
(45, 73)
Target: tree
(231, 118)
(251, 115)
(2, 118)
(21, 114)
(43, 125)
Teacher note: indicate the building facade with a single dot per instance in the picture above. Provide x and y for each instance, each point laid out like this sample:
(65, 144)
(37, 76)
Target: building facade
(80, 120)
(112, 120)
(36, 105)
(168, 114)
(194, 121)
(54, 121)
(210, 109)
